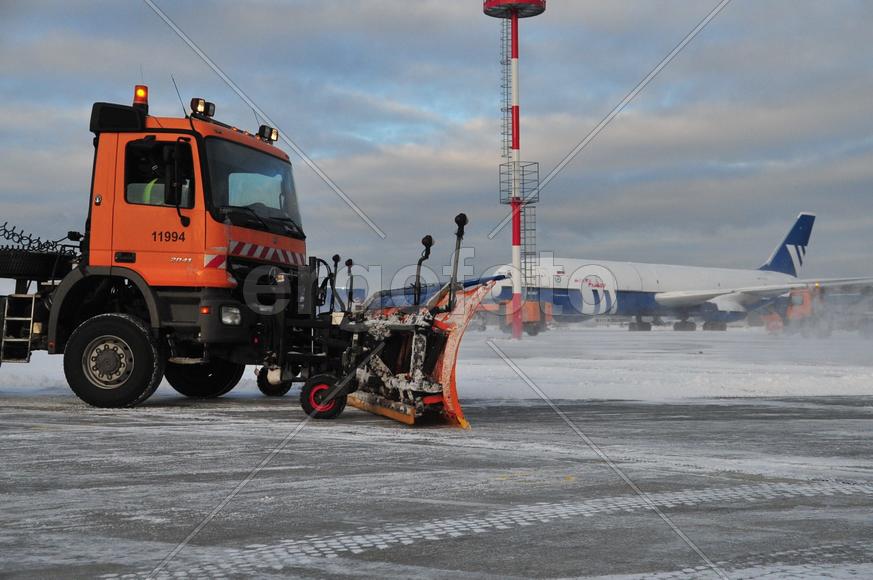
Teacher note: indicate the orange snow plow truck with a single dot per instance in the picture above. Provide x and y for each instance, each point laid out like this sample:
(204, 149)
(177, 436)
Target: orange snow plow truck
(193, 264)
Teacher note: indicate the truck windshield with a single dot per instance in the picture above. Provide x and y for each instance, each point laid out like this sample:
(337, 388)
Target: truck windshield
(256, 184)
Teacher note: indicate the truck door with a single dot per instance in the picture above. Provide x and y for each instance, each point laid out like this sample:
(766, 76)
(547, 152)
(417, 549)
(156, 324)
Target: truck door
(149, 235)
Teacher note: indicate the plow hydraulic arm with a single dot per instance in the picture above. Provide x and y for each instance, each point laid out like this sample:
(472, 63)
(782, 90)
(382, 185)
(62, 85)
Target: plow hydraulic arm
(402, 350)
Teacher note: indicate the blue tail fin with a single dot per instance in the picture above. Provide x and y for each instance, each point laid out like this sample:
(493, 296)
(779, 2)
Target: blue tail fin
(788, 257)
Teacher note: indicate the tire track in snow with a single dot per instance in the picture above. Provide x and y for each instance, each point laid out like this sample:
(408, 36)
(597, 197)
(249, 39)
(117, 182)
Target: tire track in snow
(296, 552)
(826, 560)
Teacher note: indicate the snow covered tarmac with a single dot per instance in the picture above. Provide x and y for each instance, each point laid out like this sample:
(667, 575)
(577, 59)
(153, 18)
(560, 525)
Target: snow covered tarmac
(773, 478)
(576, 362)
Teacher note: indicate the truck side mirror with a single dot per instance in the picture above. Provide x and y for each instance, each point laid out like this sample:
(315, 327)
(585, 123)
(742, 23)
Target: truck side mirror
(173, 179)
(172, 189)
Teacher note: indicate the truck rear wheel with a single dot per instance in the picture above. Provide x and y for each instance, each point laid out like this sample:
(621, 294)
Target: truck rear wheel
(112, 360)
(206, 380)
(314, 398)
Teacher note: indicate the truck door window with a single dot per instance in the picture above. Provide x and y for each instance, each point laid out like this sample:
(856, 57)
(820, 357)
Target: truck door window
(145, 172)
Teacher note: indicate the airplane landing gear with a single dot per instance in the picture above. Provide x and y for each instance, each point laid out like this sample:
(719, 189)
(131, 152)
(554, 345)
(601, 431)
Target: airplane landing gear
(715, 326)
(639, 326)
(685, 326)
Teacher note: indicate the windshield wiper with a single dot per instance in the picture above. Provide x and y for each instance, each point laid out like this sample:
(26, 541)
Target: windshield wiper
(286, 219)
(248, 210)
(263, 218)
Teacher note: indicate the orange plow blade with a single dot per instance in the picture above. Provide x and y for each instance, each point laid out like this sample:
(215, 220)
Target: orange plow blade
(377, 405)
(413, 379)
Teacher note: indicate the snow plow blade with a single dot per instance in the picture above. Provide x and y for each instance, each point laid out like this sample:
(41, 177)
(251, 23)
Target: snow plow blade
(413, 379)
(381, 406)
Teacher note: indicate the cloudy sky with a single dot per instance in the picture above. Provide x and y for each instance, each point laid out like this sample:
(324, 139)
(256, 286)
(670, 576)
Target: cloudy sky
(767, 113)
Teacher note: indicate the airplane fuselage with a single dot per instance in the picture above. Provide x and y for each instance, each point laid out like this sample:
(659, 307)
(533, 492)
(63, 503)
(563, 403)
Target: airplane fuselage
(597, 287)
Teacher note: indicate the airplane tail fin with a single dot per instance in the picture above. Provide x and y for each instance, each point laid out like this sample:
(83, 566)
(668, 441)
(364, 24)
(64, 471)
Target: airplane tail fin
(788, 256)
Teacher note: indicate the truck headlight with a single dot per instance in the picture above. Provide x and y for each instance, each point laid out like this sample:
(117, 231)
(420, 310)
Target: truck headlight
(231, 315)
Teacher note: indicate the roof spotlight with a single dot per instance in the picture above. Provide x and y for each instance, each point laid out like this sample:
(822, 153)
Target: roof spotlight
(141, 98)
(202, 107)
(268, 134)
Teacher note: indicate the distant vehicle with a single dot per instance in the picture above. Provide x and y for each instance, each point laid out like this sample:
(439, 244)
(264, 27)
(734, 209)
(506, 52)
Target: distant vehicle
(535, 316)
(717, 296)
(814, 312)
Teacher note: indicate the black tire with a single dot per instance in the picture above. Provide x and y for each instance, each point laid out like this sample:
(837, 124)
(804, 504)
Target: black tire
(312, 398)
(534, 328)
(204, 381)
(269, 389)
(29, 265)
(126, 375)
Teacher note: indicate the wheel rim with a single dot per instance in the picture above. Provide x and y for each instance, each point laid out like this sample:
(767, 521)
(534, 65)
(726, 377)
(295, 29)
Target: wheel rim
(107, 362)
(317, 395)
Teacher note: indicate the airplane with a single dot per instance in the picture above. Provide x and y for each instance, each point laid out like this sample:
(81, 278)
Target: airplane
(579, 289)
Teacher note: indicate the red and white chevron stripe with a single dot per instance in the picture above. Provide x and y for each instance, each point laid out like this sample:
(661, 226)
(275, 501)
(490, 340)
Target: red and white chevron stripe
(266, 254)
(217, 261)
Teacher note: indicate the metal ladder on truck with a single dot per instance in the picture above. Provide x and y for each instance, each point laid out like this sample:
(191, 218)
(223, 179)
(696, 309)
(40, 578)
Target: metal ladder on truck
(17, 324)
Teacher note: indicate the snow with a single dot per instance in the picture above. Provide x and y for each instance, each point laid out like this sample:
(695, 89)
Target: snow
(584, 363)
(581, 362)
(771, 487)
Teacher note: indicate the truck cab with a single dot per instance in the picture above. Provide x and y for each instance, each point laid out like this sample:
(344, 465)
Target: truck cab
(188, 219)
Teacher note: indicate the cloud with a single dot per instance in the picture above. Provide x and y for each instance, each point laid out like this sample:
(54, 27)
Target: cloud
(767, 113)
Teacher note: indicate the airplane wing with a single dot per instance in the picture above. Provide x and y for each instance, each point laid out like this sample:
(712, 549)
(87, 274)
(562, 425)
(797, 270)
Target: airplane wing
(736, 299)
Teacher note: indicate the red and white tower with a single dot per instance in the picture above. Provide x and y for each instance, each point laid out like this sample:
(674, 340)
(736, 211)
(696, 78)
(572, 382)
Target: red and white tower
(519, 180)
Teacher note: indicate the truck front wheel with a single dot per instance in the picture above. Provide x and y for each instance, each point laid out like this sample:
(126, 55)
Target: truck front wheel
(269, 389)
(204, 381)
(112, 360)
